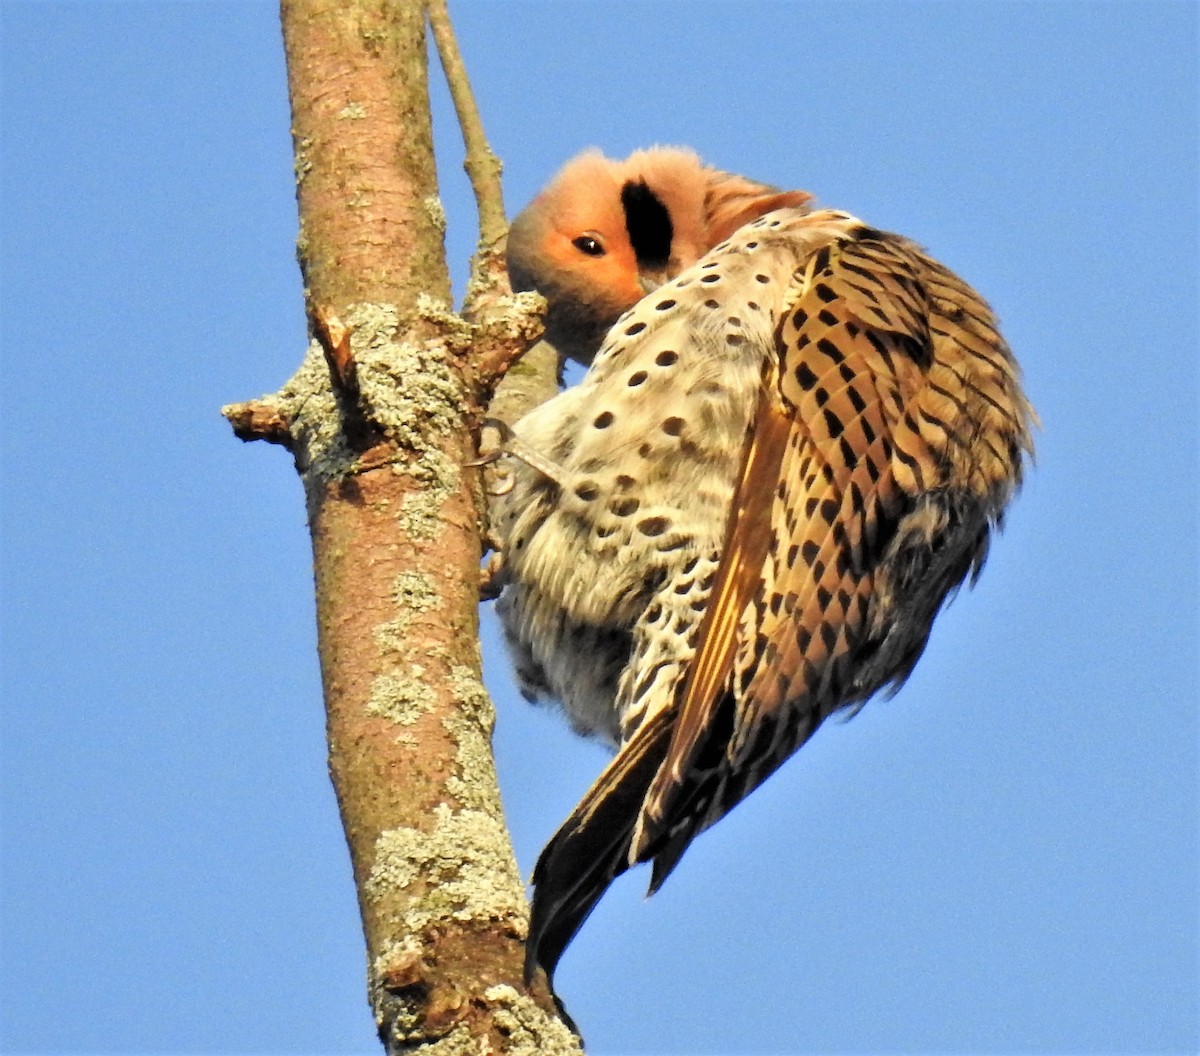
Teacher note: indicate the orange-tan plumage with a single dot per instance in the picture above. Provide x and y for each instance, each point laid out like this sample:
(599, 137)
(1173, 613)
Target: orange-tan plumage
(779, 466)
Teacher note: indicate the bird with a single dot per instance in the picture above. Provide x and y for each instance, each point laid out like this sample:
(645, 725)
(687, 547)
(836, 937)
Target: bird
(793, 443)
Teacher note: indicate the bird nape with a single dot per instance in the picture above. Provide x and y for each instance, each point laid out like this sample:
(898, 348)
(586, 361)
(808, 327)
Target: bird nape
(795, 438)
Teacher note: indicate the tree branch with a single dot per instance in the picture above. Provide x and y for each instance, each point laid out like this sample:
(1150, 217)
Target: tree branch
(380, 417)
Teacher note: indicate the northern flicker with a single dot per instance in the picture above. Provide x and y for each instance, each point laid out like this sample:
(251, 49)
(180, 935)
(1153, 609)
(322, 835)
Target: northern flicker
(779, 465)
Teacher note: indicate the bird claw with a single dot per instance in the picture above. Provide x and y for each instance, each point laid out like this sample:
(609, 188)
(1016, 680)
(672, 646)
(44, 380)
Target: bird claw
(499, 482)
(514, 447)
(492, 577)
(486, 460)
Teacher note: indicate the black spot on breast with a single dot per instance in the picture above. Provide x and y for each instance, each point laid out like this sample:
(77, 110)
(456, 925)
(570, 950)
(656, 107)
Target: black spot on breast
(662, 306)
(587, 490)
(636, 379)
(625, 506)
(635, 329)
(666, 358)
(653, 526)
(603, 420)
(672, 426)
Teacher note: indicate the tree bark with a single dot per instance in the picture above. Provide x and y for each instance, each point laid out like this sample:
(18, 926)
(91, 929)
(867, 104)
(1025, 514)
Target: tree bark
(381, 417)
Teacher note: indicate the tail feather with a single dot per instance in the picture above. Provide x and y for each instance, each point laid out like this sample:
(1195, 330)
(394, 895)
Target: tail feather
(591, 849)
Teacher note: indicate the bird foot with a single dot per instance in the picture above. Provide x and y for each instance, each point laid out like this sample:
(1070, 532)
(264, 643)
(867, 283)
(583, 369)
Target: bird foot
(514, 447)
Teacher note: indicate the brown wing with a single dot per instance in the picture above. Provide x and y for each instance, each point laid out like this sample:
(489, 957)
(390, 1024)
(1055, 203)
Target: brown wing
(889, 435)
(591, 848)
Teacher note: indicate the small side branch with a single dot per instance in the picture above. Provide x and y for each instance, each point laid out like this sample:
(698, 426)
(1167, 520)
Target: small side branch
(259, 420)
(334, 338)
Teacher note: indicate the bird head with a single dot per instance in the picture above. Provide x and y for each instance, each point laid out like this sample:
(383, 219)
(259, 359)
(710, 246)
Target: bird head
(605, 233)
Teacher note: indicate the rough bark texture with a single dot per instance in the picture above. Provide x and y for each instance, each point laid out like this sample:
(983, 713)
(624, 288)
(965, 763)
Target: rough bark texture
(381, 417)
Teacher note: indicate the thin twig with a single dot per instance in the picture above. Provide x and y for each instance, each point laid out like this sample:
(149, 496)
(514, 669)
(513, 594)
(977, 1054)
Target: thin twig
(483, 167)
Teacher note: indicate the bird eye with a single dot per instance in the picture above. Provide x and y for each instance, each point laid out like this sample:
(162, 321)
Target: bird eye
(588, 244)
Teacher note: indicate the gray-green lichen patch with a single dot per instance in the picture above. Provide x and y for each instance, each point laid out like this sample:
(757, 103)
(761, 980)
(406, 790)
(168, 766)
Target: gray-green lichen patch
(352, 112)
(407, 387)
(301, 161)
(420, 511)
(392, 635)
(465, 865)
(459, 1042)
(436, 212)
(415, 591)
(470, 725)
(530, 1030)
(401, 698)
(459, 333)
(308, 400)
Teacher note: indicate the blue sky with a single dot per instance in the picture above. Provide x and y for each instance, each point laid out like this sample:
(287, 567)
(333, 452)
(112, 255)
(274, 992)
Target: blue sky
(1002, 859)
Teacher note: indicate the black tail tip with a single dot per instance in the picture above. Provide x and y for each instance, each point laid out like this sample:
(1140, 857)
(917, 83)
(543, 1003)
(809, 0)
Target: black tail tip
(532, 967)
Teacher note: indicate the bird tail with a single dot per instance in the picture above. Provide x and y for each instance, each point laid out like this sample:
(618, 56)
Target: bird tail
(591, 849)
